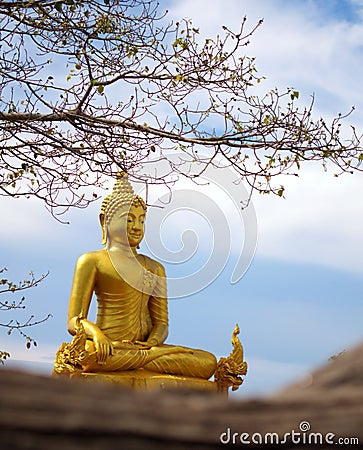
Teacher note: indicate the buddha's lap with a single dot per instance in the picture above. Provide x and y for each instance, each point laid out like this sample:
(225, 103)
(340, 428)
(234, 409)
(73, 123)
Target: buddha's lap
(165, 358)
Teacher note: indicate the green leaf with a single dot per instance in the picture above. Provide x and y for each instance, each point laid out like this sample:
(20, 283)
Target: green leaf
(100, 89)
(58, 6)
(280, 192)
(179, 78)
(294, 94)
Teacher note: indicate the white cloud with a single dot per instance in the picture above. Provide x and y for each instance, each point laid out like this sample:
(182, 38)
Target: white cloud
(320, 221)
(22, 214)
(28, 224)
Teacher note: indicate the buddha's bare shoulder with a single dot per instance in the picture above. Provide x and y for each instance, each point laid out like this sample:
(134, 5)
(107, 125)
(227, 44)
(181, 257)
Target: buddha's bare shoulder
(93, 258)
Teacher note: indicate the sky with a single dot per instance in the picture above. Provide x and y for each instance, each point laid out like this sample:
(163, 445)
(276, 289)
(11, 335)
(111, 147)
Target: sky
(300, 299)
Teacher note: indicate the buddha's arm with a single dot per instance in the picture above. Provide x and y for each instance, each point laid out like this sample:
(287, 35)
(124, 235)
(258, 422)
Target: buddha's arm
(158, 307)
(81, 294)
(82, 289)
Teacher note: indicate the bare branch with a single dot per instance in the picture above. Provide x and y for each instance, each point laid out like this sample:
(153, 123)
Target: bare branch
(91, 88)
(14, 305)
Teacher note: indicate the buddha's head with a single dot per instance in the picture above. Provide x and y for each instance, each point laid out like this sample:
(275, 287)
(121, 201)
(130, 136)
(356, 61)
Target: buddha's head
(122, 214)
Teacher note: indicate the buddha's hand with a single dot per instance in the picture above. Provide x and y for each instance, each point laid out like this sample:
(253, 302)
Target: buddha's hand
(146, 345)
(104, 347)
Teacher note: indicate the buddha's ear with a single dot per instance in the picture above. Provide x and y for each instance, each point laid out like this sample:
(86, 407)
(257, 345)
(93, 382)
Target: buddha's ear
(102, 222)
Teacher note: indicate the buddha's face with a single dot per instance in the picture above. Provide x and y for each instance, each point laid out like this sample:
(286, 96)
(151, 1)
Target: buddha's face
(127, 228)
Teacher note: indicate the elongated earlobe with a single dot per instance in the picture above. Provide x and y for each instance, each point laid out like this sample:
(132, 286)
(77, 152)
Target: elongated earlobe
(102, 222)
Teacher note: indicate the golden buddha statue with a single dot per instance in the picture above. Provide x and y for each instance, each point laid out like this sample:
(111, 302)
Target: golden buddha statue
(132, 313)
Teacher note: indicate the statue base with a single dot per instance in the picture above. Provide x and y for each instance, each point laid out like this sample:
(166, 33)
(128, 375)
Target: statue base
(142, 379)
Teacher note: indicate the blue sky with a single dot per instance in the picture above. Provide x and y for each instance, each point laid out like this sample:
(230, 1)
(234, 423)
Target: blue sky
(301, 299)
(335, 10)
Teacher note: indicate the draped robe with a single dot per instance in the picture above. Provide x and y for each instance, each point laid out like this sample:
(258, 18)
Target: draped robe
(126, 312)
